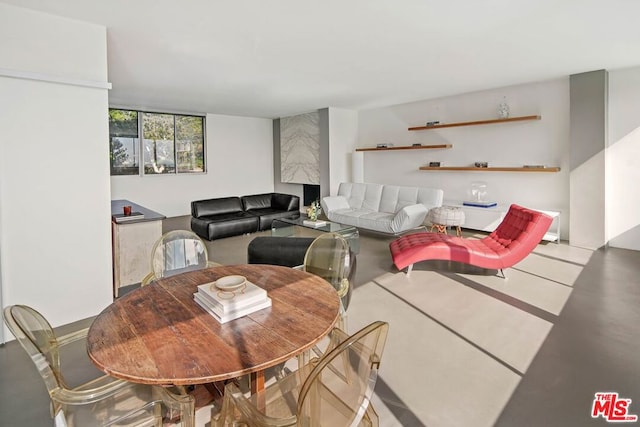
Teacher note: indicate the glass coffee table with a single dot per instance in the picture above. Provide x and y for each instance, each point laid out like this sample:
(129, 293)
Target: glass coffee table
(296, 227)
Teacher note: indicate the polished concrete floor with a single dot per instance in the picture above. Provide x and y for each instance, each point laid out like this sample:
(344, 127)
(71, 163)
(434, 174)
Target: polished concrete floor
(465, 347)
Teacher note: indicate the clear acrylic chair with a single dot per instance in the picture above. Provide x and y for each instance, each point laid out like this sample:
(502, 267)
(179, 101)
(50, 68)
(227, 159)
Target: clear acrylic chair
(329, 257)
(177, 252)
(104, 401)
(325, 392)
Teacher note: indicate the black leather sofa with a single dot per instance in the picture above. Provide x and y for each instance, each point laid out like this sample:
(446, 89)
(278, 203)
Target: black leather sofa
(231, 216)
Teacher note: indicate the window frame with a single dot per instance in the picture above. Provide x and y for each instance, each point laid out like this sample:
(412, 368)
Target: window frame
(141, 141)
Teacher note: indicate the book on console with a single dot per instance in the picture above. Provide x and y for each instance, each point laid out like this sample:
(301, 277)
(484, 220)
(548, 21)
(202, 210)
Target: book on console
(317, 223)
(226, 316)
(480, 204)
(250, 295)
(125, 218)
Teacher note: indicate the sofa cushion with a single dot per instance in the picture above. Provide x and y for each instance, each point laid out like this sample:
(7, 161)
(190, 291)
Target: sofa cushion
(430, 197)
(364, 218)
(395, 198)
(223, 205)
(220, 226)
(285, 202)
(256, 201)
(361, 195)
(267, 215)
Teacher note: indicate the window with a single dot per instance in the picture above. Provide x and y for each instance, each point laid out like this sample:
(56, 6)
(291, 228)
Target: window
(124, 142)
(169, 143)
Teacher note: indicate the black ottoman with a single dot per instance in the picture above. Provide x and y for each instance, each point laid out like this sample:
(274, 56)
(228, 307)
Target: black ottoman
(278, 250)
(290, 252)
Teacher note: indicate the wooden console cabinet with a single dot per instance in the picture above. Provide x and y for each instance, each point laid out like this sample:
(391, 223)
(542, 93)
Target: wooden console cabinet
(132, 242)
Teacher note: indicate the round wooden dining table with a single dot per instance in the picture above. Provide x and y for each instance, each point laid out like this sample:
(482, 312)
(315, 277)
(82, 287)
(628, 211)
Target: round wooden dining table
(159, 335)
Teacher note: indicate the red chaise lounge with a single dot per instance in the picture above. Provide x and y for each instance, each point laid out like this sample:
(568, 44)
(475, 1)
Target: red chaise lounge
(516, 236)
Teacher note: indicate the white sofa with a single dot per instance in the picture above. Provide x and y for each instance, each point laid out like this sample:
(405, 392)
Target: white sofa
(385, 208)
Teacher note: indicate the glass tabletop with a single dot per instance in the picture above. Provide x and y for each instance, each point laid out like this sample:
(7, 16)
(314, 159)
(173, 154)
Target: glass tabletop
(303, 221)
(286, 227)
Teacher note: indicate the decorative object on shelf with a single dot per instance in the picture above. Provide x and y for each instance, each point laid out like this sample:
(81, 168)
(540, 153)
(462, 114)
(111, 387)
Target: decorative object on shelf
(434, 164)
(481, 164)
(478, 191)
(384, 145)
(503, 109)
(314, 210)
(417, 144)
(433, 123)
(478, 196)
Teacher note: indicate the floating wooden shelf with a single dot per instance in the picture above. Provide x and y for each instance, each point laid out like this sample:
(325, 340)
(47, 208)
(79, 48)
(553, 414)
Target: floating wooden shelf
(478, 122)
(492, 169)
(406, 147)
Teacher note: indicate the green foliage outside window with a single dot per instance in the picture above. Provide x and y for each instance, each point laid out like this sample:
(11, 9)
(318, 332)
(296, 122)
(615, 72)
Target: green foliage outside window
(160, 141)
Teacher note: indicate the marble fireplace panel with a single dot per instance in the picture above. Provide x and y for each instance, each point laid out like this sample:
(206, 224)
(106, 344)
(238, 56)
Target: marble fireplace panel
(300, 149)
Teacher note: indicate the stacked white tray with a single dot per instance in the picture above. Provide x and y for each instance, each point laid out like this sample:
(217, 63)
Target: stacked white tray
(231, 297)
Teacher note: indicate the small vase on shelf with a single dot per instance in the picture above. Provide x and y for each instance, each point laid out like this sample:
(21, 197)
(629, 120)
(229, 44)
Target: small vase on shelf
(503, 109)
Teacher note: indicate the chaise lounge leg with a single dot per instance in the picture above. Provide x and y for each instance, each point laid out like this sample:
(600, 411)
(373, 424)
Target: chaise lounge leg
(409, 270)
(501, 273)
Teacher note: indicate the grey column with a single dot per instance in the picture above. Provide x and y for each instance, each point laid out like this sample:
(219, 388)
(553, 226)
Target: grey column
(325, 185)
(588, 124)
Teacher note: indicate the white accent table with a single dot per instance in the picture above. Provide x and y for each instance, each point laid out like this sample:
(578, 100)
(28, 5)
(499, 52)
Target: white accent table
(488, 219)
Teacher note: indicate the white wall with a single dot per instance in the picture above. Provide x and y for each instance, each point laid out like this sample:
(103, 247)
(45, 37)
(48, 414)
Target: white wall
(623, 159)
(239, 161)
(343, 138)
(54, 174)
(543, 141)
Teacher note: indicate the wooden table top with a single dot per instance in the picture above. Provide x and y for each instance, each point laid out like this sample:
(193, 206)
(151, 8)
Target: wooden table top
(158, 334)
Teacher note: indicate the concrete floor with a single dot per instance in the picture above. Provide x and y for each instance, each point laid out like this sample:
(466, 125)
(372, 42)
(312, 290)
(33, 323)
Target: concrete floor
(465, 348)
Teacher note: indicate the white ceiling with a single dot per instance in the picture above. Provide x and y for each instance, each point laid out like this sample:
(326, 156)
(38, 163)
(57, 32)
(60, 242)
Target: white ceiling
(284, 57)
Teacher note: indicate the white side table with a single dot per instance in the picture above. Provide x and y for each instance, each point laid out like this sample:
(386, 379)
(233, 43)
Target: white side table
(488, 219)
(444, 216)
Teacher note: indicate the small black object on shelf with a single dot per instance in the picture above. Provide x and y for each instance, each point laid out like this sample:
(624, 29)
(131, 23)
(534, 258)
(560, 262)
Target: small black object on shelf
(416, 145)
(433, 123)
(434, 164)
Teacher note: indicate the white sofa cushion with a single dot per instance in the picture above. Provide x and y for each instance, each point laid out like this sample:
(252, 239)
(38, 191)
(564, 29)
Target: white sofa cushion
(364, 218)
(361, 195)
